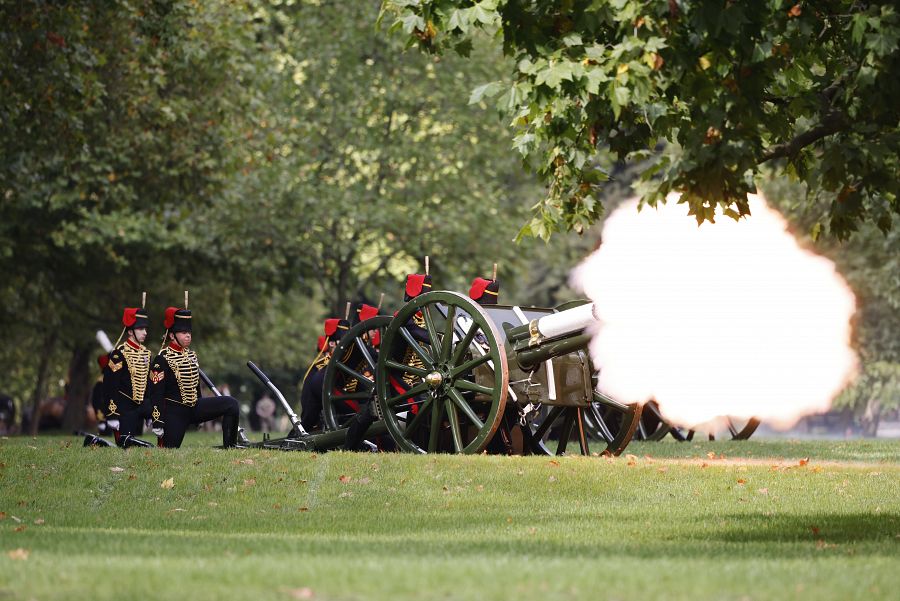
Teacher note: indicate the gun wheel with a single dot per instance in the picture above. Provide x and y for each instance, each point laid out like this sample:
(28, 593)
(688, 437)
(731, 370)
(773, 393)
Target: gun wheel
(350, 374)
(442, 375)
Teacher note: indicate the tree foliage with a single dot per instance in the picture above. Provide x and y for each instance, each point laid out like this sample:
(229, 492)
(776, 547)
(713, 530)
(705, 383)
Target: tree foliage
(721, 87)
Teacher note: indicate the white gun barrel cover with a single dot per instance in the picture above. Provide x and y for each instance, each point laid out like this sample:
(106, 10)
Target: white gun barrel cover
(566, 322)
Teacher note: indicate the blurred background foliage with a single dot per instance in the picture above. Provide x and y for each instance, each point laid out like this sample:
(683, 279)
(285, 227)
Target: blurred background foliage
(277, 159)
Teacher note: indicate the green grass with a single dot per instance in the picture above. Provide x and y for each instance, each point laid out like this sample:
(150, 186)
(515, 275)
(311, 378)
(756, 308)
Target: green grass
(670, 522)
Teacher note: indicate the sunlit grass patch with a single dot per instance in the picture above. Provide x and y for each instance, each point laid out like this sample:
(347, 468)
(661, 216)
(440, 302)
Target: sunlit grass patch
(390, 526)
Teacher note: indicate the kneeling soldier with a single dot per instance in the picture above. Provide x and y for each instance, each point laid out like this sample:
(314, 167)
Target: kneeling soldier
(175, 388)
(125, 381)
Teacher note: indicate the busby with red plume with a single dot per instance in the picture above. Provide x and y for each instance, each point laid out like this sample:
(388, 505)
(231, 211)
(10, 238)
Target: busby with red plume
(365, 312)
(177, 320)
(336, 328)
(134, 318)
(416, 284)
(485, 291)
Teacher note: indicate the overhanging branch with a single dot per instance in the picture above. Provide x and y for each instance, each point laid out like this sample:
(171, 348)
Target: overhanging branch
(833, 122)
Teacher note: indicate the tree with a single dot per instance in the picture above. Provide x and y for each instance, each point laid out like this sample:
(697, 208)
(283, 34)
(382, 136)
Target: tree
(119, 119)
(722, 88)
(375, 160)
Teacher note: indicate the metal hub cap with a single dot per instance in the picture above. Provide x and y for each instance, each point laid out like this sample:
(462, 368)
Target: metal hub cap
(434, 379)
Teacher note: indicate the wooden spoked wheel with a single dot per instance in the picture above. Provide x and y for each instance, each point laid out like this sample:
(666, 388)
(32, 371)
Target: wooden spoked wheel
(441, 384)
(612, 422)
(735, 428)
(652, 425)
(350, 374)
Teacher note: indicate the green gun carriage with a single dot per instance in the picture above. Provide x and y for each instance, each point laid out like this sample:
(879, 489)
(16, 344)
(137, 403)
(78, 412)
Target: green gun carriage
(472, 379)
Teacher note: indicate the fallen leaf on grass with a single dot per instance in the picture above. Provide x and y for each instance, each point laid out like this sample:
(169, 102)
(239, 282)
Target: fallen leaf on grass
(554, 463)
(662, 470)
(874, 473)
(711, 455)
(552, 479)
(301, 593)
(345, 479)
(2, 515)
(39, 521)
(344, 495)
(304, 508)
(803, 462)
(250, 482)
(117, 469)
(246, 461)
(763, 491)
(20, 528)
(741, 481)
(18, 554)
(814, 530)
(168, 483)
(213, 504)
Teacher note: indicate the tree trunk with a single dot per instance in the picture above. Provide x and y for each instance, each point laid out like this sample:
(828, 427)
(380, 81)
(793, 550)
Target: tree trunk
(79, 388)
(40, 386)
(870, 417)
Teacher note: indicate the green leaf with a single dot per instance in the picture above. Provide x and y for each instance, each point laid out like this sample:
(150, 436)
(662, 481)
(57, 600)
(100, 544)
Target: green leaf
(573, 39)
(553, 75)
(487, 90)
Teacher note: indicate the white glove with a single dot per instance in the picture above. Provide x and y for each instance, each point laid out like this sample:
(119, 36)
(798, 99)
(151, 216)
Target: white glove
(158, 432)
(113, 423)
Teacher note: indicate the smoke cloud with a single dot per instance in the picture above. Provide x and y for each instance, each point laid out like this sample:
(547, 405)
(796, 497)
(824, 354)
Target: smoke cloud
(726, 319)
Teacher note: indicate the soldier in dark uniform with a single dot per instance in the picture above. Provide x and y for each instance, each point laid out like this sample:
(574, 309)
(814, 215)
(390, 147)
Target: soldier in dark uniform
(125, 381)
(175, 388)
(366, 414)
(313, 383)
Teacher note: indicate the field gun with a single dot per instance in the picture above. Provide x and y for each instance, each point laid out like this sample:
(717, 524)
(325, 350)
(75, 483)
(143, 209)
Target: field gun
(477, 371)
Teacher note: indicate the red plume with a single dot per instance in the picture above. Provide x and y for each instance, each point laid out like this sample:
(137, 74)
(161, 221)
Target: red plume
(320, 345)
(376, 338)
(478, 287)
(128, 317)
(414, 282)
(331, 326)
(170, 317)
(367, 312)
(103, 360)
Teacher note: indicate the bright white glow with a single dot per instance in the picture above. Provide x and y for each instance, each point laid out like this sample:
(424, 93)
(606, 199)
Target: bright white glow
(731, 318)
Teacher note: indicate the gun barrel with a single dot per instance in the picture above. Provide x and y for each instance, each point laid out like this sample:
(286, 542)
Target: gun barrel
(570, 321)
(295, 421)
(208, 381)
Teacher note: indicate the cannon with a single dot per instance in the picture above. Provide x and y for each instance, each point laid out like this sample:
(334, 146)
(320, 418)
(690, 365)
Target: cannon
(494, 378)
(448, 375)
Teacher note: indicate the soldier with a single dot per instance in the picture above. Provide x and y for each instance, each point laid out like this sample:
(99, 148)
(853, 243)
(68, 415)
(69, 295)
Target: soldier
(311, 395)
(175, 388)
(125, 381)
(366, 414)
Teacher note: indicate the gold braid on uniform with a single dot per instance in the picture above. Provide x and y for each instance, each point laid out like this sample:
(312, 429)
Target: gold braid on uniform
(187, 372)
(321, 362)
(138, 360)
(413, 360)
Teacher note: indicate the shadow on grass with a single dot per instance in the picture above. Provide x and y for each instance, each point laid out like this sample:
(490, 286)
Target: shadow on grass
(734, 536)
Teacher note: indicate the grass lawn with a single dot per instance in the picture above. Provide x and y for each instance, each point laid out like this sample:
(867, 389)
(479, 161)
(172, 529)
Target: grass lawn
(701, 520)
